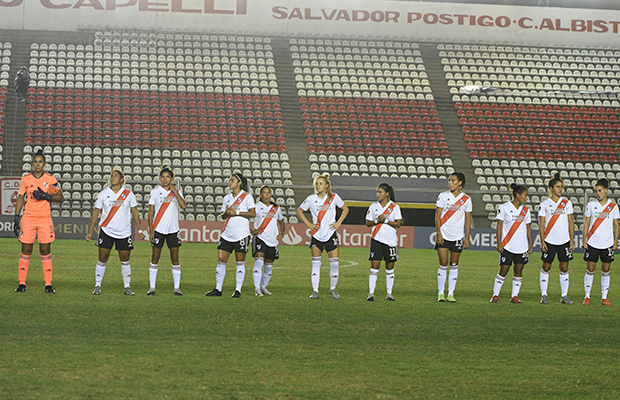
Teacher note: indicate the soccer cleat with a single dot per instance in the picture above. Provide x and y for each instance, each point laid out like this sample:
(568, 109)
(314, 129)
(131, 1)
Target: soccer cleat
(586, 301)
(151, 292)
(177, 292)
(265, 291)
(236, 294)
(605, 302)
(441, 298)
(258, 292)
(97, 290)
(515, 300)
(494, 299)
(128, 292)
(566, 300)
(451, 299)
(314, 295)
(371, 297)
(21, 289)
(49, 289)
(389, 297)
(214, 293)
(544, 299)
(334, 294)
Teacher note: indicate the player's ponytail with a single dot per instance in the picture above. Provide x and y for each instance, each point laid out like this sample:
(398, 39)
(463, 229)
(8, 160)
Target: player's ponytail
(556, 178)
(602, 182)
(389, 189)
(39, 153)
(517, 189)
(325, 177)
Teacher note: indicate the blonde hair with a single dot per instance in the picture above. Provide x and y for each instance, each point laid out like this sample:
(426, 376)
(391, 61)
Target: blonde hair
(118, 169)
(325, 176)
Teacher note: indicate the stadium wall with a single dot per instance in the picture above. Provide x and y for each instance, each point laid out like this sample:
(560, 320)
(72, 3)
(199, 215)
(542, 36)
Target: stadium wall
(396, 20)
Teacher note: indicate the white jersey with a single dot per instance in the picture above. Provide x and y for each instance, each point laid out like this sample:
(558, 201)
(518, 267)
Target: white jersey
(509, 215)
(271, 231)
(315, 204)
(603, 236)
(119, 226)
(237, 227)
(168, 222)
(559, 233)
(453, 228)
(386, 234)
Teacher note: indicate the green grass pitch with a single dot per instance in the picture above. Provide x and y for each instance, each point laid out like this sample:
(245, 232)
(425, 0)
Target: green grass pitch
(73, 345)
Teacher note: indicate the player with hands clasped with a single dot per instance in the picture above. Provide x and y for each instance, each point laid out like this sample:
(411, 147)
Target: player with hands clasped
(322, 205)
(514, 241)
(36, 191)
(555, 218)
(601, 240)
(163, 220)
(116, 205)
(384, 217)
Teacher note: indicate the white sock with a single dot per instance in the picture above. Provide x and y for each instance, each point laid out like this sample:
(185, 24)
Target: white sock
(564, 283)
(176, 276)
(126, 271)
(220, 273)
(516, 285)
(153, 274)
(442, 273)
(372, 280)
(544, 282)
(389, 280)
(333, 272)
(257, 271)
(99, 272)
(240, 275)
(452, 278)
(316, 273)
(605, 280)
(499, 282)
(587, 283)
(267, 268)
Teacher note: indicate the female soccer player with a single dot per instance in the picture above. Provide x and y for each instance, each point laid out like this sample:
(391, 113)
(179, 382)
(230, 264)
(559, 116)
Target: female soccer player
(453, 224)
(385, 217)
(37, 190)
(117, 205)
(238, 208)
(268, 229)
(322, 205)
(163, 223)
(514, 241)
(555, 218)
(601, 241)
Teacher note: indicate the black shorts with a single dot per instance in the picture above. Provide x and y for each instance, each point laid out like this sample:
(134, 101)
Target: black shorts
(107, 242)
(455, 246)
(239, 247)
(258, 246)
(172, 240)
(507, 258)
(562, 250)
(331, 244)
(381, 251)
(593, 254)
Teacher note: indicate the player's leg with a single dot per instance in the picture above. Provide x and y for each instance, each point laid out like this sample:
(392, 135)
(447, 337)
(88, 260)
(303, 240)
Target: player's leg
(103, 257)
(389, 279)
(315, 278)
(543, 278)
(257, 272)
(24, 263)
(240, 269)
(266, 278)
(124, 255)
(372, 278)
(153, 267)
(442, 272)
(45, 249)
(220, 270)
(588, 280)
(334, 271)
(517, 281)
(453, 275)
(605, 282)
(176, 270)
(499, 280)
(564, 282)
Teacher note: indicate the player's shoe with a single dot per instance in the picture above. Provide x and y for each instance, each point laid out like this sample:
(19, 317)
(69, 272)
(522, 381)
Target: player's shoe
(237, 294)
(450, 299)
(151, 292)
(441, 297)
(21, 289)
(265, 291)
(515, 300)
(605, 302)
(334, 294)
(258, 292)
(128, 292)
(177, 292)
(566, 300)
(586, 301)
(214, 293)
(371, 297)
(314, 295)
(49, 289)
(494, 299)
(97, 290)
(544, 299)
(389, 297)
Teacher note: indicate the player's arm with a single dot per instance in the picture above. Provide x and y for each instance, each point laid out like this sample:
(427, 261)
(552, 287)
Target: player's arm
(571, 231)
(616, 232)
(498, 235)
(251, 213)
(541, 230)
(281, 228)
(19, 205)
(467, 228)
(136, 218)
(180, 198)
(396, 223)
(345, 212)
(93, 220)
(584, 234)
(530, 243)
(302, 217)
(438, 212)
(58, 197)
(150, 221)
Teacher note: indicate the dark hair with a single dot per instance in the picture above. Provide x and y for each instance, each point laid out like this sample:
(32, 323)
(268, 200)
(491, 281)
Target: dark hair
(242, 179)
(39, 153)
(260, 191)
(602, 182)
(459, 177)
(517, 189)
(556, 178)
(389, 189)
(166, 168)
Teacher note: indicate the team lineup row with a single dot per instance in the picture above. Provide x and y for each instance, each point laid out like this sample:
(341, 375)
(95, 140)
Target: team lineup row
(115, 206)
